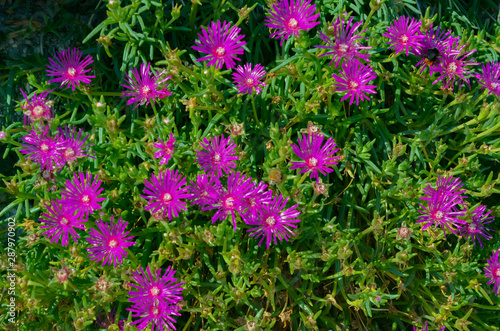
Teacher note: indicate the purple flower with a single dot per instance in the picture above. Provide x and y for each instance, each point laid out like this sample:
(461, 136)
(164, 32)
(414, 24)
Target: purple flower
(453, 66)
(109, 244)
(72, 147)
(221, 44)
(404, 34)
(442, 205)
(354, 79)
(273, 222)
(144, 87)
(155, 288)
(289, 17)
(425, 328)
(247, 79)
(43, 149)
(476, 228)
(61, 222)
(345, 45)
(159, 316)
(166, 191)
(434, 46)
(314, 156)
(258, 198)
(492, 270)
(166, 149)
(69, 67)
(36, 108)
(218, 155)
(204, 190)
(82, 193)
(490, 78)
(231, 201)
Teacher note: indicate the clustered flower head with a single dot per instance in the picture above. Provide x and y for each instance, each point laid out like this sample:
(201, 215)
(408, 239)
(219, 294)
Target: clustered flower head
(354, 79)
(490, 78)
(248, 79)
(288, 17)
(61, 222)
(42, 148)
(155, 298)
(166, 149)
(37, 108)
(476, 228)
(69, 68)
(404, 35)
(218, 157)
(144, 87)
(81, 194)
(221, 43)
(345, 45)
(492, 271)
(443, 203)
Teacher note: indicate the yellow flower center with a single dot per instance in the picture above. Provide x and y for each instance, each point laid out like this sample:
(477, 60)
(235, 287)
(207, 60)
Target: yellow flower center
(145, 90)
(250, 81)
(404, 39)
(38, 111)
(44, 147)
(271, 221)
(439, 215)
(220, 51)
(71, 71)
(86, 198)
(69, 153)
(353, 85)
(312, 162)
(64, 221)
(154, 291)
(452, 67)
(229, 202)
(113, 243)
(167, 198)
(217, 157)
(343, 48)
(292, 24)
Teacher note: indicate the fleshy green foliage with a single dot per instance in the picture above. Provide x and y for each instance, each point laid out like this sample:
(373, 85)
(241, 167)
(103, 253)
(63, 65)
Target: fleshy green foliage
(348, 265)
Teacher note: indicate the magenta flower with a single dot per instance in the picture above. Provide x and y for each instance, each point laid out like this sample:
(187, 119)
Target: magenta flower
(158, 316)
(231, 201)
(72, 147)
(354, 79)
(221, 44)
(36, 108)
(69, 67)
(490, 78)
(289, 17)
(442, 205)
(61, 222)
(204, 190)
(435, 45)
(247, 79)
(345, 45)
(166, 149)
(256, 200)
(453, 66)
(165, 192)
(492, 270)
(476, 228)
(404, 34)
(41, 148)
(153, 287)
(82, 193)
(274, 222)
(218, 155)
(109, 244)
(144, 87)
(314, 156)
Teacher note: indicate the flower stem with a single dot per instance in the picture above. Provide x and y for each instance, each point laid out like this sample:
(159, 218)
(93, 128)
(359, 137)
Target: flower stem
(255, 113)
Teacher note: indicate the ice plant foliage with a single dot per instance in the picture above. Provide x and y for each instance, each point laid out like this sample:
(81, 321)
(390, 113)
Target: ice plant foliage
(288, 17)
(109, 242)
(425, 328)
(61, 222)
(442, 205)
(274, 221)
(166, 192)
(69, 68)
(345, 45)
(404, 35)
(248, 79)
(218, 155)
(41, 148)
(477, 228)
(166, 149)
(81, 194)
(36, 108)
(315, 156)
(222, 44)
(492, 271)
(354, 79)
(490, 78)
(144, 87)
